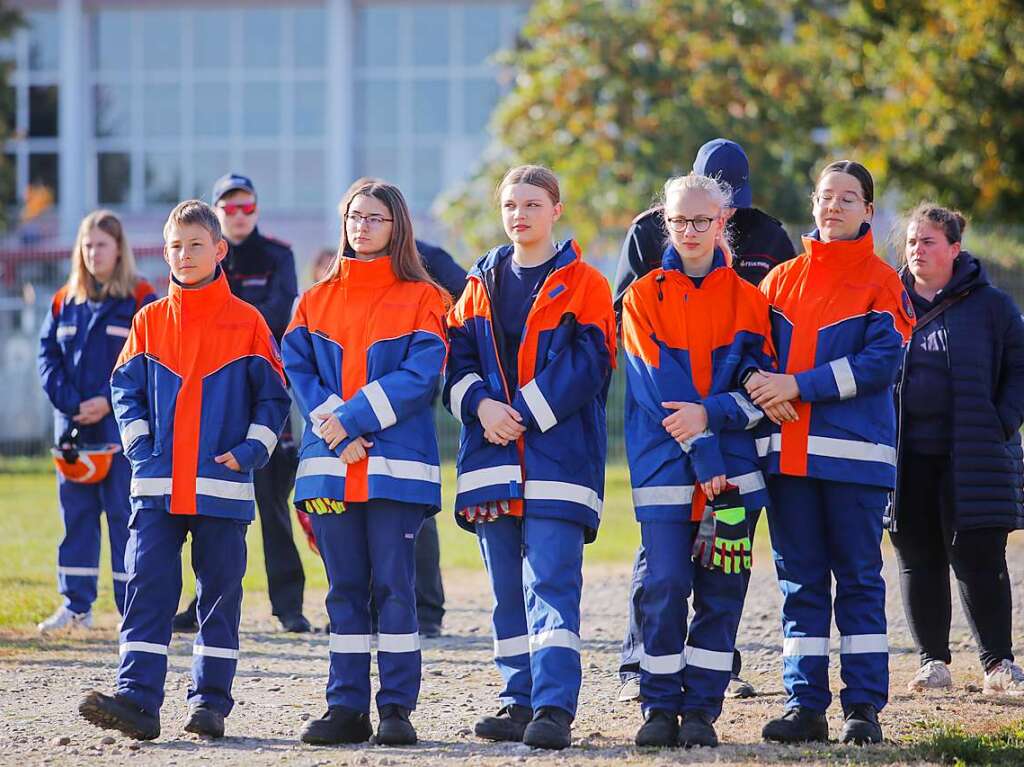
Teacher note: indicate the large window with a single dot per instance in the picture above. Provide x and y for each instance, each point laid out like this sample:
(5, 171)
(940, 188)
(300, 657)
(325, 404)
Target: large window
(426, 85)
(179, 98)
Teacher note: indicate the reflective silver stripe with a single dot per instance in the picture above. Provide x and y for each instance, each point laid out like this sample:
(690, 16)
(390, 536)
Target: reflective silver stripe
(150, 647)
(151, 486)
(547, 490)
(378, 465)
(121, 577)
(663, 495)
(855, 644)
(329, 466)
(381, 405)
(805, 646)
(118, 330)
(214, 652)
(347, 644)
(264, 435)
(662, 664)
(511, 647)
(748, 483)
(843, 373)
(687, 444)
(768, 444)
(459, 390)
(222, 488)
(78, 571)
(398, 642)
(135, 429)
(66, 330)
(326, 407)
(555, 638)
(713, 660)
(853, 450)
(538, 405)
(495, 475)
(753, 414)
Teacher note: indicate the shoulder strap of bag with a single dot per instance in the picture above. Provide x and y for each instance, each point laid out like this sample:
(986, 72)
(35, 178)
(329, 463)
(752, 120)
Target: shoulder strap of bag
(935, 311)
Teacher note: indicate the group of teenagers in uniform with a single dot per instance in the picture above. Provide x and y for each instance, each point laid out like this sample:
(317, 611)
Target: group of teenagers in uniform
(791, 398)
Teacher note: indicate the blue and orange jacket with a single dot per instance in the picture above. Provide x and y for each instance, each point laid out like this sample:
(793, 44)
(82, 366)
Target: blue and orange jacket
(369, 348)
(78, 347)
(691, 344)
(565, 360)
(841, 321)
(199, 376)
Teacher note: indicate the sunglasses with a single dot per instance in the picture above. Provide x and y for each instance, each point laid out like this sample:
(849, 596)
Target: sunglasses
(230, 208)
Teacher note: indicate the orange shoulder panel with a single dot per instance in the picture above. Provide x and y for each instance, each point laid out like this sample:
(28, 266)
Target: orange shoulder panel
(58, 300)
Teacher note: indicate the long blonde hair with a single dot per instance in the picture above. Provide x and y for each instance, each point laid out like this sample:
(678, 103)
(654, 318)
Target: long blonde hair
(80, 285)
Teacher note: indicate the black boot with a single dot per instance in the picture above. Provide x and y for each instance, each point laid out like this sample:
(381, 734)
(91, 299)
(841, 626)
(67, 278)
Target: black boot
(659, 730)
(395, 729)
(697, 730)
(119, 713)
(508, 724)
(338, 725)
(296, 623)
(862, 725)
(186, 621)
(205, 721)
(797, 725)
(550, 728)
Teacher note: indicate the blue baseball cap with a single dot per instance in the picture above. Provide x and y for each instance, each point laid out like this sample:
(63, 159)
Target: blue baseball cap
(726, 161)
(231, 182)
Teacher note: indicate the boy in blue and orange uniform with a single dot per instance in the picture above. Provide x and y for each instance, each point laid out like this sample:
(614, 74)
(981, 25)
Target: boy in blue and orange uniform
(200, 399)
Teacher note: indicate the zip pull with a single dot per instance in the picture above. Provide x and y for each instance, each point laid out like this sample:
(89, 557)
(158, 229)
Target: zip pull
(660, 279)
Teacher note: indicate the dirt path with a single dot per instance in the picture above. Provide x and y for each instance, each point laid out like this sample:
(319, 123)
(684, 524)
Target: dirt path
(281, 679)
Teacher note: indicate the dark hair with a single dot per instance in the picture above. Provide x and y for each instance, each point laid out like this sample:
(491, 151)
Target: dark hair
(855, 169)
(952, 222)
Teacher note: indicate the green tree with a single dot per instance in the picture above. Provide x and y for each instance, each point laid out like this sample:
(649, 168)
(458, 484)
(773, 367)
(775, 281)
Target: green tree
(615, 97)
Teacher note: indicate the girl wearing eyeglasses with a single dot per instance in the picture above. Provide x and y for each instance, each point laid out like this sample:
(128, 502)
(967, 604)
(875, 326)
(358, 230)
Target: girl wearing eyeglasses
(363, 353)
(841, 320)
(690, 330)
(533, 344)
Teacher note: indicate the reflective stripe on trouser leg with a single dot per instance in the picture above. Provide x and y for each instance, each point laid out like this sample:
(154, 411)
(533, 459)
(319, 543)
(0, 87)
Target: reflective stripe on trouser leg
(662, 618)
(153, 561)
(391, 530)
(219, 557)
(855, 549)
(78, 553)
(801, 561)
(501, 549)
(553, 585)
(345, 551)
(117, 504)
(717, 606)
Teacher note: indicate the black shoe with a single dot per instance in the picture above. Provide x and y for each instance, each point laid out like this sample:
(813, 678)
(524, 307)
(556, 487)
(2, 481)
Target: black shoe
(432, 631)
(205, 721)
(395, 729)
(862, 725)
(697, 730)
(186, 622)
(118, 713)
(338, 725)
(508, 724)
(659, 730)
(797, 725)
(550, 728)
(296, 624)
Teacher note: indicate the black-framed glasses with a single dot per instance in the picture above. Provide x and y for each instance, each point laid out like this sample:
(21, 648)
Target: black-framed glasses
(700, 223)
(372, 221)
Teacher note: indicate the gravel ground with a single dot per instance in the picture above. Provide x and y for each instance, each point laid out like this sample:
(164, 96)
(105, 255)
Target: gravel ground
(281, 679)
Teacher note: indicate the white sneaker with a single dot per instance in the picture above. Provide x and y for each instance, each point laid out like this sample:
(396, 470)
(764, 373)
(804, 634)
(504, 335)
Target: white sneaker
(933, 675)
(630, 691)
(1005, 679)
(64, 618)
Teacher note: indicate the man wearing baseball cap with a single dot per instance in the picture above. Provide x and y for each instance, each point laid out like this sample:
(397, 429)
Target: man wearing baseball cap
(261, 271)
(758, 243)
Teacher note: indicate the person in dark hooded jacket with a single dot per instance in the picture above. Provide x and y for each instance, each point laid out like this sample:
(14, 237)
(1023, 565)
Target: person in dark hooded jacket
(960, 404)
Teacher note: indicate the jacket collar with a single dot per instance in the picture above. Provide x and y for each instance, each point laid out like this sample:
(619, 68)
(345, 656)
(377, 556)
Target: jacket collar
(671, 260)
(840, 254)
(198, 303)
(367, 274)
(566, 252)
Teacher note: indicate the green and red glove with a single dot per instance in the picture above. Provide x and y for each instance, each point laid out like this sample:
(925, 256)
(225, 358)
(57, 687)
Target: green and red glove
(723, 538)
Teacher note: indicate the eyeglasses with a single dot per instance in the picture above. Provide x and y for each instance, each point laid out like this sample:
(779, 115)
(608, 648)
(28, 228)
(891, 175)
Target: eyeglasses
(848, 200)
(246, 208)
(700, 223)
(355, 219)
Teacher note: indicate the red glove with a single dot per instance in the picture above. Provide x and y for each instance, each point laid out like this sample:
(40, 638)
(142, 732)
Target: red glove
(307, 528)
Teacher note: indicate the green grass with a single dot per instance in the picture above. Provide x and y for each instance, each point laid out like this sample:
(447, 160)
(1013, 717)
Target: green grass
(30, 529)
(950, 744)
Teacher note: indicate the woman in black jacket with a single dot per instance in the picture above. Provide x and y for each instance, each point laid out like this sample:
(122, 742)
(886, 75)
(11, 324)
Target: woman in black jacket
(960, 402)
